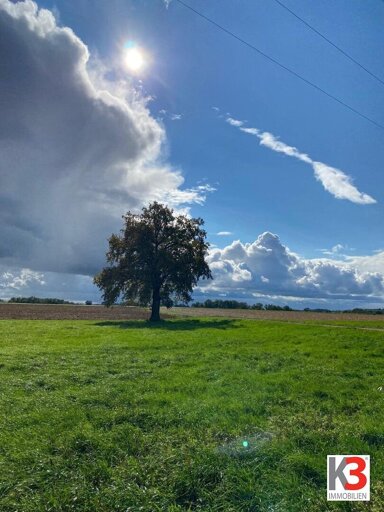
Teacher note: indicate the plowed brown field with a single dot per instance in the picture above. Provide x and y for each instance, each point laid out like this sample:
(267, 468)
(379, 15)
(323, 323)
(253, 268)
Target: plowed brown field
(70, 312)
(82, 312)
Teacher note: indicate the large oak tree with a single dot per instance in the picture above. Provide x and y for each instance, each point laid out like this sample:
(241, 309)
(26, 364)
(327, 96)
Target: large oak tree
(157, 259)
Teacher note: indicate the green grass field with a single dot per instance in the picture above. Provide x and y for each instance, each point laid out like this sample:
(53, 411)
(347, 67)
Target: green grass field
(114, 416)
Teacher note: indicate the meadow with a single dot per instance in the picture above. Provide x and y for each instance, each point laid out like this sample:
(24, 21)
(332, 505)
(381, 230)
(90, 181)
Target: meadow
(210, 414)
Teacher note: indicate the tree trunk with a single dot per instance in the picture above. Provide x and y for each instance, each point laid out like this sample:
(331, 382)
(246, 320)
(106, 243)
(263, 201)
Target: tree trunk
(155, 313)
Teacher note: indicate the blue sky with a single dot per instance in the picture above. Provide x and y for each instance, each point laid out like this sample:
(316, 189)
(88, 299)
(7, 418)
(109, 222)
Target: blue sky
(196, 67)
(204, 76)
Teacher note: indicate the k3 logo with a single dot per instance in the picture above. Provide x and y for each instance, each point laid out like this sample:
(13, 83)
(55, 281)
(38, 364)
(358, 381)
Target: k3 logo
(348, 478)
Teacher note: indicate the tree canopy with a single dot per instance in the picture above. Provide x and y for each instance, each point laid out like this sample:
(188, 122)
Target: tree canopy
(156, 259)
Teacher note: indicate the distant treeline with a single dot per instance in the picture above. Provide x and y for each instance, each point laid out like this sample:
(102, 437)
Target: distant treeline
(209, 303)
(235, 304)
(357, 311)
(377, 311)
(37, 300)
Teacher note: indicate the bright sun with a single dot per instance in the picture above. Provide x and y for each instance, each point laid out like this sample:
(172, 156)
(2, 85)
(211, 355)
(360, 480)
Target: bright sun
(134, 59)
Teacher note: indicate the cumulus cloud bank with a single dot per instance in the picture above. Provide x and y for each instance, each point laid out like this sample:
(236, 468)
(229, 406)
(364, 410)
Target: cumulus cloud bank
(264, 270)
(76, 151)
(268, 268)
(335, 181)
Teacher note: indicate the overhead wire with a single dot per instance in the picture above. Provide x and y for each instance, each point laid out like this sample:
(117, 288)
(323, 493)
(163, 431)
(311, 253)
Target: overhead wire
(278, 63)
(346, 54)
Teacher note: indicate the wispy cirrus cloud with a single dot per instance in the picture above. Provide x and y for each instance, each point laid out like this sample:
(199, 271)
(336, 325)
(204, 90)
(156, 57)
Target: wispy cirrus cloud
(234, 122)
(165, 114)
(335, 181)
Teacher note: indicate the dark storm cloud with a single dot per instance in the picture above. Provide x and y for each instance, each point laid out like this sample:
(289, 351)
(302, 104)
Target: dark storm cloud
(75, 152)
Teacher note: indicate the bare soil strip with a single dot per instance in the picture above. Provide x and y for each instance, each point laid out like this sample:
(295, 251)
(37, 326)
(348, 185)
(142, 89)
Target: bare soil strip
(96, 312)
(70, 312)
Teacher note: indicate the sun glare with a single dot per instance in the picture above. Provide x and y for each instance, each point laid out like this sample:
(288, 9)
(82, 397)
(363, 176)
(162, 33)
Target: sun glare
(134, 59)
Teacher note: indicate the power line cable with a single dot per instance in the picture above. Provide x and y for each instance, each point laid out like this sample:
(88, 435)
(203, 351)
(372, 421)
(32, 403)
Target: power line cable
(265, 55)
(330, 42)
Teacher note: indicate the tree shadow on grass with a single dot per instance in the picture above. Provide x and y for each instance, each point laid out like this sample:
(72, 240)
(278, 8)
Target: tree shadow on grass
(178, 325)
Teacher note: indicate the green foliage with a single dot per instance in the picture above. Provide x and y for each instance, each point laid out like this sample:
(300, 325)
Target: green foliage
(158, 257)
(125, 416)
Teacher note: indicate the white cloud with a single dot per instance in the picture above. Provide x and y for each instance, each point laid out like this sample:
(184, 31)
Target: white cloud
(372, 263)
(339, 184)
(335, 181)
(338, 248)
(25, 283)
(225, 270)
(224, 233)
(169, 115)
(268, 268)
(338, 251)
(270, 141)
(234, 122)
(17, 280)
(251, 131)
(76, 149)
